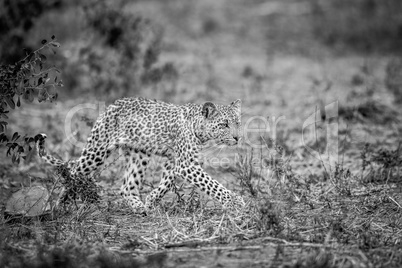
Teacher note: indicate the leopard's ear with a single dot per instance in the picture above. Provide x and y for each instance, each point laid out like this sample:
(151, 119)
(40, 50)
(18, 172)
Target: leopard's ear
(236, 105)
(209, 110)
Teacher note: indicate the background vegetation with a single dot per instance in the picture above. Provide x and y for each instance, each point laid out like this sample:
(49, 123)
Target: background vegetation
(282, 58)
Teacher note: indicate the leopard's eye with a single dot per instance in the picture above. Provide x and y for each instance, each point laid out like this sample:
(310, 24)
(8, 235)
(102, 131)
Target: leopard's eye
(225, 124)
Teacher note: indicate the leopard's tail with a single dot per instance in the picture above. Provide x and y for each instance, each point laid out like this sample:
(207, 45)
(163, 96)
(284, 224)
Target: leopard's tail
(73, 189)
(40, 147)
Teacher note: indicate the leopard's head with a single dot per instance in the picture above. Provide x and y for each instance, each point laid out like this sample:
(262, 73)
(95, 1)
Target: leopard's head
(220, 122)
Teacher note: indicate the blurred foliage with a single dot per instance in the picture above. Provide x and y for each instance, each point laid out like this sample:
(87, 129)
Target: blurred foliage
(28, 78)
(393, 78)
(362, 25)
(119, 54)
(382, 164)
(17, 17)
(109, 52)
(311, 27)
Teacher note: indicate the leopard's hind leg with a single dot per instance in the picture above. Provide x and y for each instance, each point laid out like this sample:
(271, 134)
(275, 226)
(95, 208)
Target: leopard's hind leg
(134, 170)
(166, 183)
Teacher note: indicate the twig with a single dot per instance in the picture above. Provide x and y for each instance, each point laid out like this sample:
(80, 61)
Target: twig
(39, 49)
(190, 244)
(393, 200)
(174, 229)
(234, 248)
(219, 226)
(298, 244)
(155, 246)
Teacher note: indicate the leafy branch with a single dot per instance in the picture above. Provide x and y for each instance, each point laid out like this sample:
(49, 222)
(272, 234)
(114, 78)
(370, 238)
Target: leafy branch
(30, 79)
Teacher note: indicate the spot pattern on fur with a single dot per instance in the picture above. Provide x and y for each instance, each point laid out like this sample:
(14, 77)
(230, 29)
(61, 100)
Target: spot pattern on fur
(141, 128)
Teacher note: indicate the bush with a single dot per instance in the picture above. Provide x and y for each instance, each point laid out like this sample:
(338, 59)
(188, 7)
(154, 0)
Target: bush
(30, 79)
(393, 78)
(363, 25)
(120, 54)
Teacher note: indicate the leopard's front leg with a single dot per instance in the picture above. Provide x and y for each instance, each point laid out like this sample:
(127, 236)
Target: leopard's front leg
(164, 186)
(195, 175)
(186, 165)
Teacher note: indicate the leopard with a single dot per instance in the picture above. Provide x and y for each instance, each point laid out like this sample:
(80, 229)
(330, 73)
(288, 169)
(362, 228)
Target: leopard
(141, 128)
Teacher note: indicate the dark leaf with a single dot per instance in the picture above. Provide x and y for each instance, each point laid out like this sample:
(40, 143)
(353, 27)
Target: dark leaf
(54, 97)
(3, 138)
(44, 41)
(20, 149)
(10, 102)
(53, 37)
(3, 115)
(15, 136)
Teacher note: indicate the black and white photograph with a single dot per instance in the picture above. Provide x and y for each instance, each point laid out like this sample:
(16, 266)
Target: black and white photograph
(200, 133)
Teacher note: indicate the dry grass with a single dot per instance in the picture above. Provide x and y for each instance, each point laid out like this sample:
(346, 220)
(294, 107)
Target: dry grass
(341, 222)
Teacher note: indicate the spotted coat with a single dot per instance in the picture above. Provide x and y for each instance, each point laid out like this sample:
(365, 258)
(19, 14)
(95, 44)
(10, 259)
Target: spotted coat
(141, 128)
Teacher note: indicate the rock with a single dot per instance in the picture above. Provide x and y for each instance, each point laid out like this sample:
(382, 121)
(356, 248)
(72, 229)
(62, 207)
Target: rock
(29, 202)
